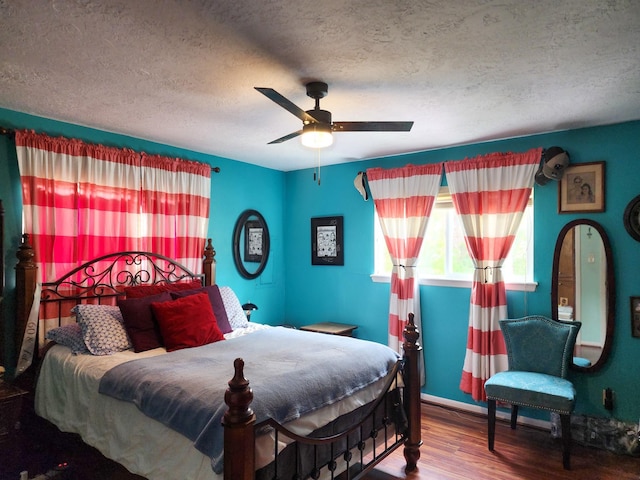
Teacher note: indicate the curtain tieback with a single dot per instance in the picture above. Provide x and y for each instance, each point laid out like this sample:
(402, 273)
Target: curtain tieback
(488, 270)
(403, 266)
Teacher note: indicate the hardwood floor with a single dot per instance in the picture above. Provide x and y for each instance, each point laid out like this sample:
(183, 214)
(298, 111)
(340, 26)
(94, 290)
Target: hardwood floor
(454, 448)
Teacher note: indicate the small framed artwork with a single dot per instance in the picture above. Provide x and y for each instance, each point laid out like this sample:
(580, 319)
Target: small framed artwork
(635, 316)
(326, 241)
(581, 188)
(253, 241)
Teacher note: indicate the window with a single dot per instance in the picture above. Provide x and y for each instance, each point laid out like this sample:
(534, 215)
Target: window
(444, 259)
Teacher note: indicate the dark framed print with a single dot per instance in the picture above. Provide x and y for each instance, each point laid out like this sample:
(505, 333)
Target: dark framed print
(581, 188)
(326, 241)
(253, 241)
(635, 316)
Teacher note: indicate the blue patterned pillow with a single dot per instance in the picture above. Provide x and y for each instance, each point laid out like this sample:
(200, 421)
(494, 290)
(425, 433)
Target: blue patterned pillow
(69, 336)
(102, 328)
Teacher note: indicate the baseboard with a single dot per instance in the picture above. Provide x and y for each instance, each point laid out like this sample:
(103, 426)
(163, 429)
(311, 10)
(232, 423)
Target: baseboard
(480, 410)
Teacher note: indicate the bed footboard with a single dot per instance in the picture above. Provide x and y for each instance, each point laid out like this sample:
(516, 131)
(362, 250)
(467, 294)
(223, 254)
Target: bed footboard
(240, 424)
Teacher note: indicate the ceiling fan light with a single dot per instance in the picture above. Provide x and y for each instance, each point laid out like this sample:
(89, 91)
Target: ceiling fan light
(316, 135)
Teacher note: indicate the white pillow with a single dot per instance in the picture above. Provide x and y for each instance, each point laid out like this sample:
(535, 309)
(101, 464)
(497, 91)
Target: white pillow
(237, 318)
(102, 328)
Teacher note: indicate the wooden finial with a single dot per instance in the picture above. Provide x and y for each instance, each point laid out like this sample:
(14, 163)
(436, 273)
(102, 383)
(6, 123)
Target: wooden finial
(209, 264)
(411, 334)
(238, 396)
(25, 253)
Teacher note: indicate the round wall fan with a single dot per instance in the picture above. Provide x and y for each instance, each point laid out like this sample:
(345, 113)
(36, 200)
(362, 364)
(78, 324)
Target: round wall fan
(317, 127)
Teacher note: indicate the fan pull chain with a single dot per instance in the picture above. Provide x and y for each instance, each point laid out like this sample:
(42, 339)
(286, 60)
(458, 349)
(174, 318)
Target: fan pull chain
(316, 171)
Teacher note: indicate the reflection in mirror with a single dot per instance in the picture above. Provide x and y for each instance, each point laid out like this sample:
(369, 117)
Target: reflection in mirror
(582, 289)
(251, 244)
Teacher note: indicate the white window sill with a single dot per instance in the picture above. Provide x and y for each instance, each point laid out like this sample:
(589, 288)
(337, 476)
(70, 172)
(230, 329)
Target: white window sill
(448, 282)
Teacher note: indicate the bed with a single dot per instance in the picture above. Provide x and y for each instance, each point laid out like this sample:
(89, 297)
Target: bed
(252, 411)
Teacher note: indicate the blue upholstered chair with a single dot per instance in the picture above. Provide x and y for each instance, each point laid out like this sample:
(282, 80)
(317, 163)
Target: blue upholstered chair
(539, 351)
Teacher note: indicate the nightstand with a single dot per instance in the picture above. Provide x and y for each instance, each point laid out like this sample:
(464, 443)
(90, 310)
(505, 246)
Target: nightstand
(10, 408)
(331, 328)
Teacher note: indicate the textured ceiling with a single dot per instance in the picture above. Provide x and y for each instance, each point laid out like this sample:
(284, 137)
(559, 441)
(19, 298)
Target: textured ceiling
(182, 72)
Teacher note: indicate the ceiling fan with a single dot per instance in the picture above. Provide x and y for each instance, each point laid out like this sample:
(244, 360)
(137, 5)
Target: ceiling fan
(317, 127)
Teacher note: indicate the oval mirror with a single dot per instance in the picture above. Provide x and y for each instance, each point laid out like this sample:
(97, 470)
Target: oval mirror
(251, 244)
(582, 289)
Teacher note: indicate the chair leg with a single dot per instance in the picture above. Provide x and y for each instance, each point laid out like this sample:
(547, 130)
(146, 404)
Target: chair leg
(491, 418)
(514, 416)
(565, 425)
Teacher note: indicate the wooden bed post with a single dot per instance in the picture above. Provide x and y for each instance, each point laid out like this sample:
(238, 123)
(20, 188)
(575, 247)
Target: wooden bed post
(412, 352)
(26, 272)
(238, 422)
(209, 264)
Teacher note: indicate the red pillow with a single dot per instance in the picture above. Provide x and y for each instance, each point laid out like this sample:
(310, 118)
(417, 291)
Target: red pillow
(216, 303)
(187, 322)
(140, 291)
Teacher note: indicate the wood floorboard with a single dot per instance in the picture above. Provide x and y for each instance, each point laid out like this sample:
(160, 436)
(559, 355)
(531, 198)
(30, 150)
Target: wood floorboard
(454, 448)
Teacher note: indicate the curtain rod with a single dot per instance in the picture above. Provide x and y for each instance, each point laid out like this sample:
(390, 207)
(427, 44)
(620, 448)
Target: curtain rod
(9, 132)
(6, 131)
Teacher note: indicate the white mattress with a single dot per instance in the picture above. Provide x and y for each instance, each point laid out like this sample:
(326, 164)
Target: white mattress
(67, 395)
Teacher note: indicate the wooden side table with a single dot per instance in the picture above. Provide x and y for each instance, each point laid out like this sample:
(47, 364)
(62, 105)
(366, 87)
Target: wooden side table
(10, 408)
(331, 328)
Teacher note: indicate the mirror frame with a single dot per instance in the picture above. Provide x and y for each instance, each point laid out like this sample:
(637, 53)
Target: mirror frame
(237, 233)
(610, 286)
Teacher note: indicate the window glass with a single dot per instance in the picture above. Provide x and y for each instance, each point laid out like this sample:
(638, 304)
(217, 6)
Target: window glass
(444, 253)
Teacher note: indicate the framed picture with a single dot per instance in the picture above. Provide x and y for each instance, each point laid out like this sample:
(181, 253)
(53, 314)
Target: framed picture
(581, 189)
(326, 241)
(253, 241)
(635, 316)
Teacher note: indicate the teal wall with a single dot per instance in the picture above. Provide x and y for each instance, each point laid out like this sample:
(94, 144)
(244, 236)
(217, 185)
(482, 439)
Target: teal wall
(294, 292)
(347, 293)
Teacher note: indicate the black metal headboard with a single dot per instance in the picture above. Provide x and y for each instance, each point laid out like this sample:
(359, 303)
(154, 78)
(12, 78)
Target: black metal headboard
(101, 280)
(107, 276)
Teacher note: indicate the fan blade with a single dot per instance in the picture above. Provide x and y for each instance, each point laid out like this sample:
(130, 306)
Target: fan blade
(372, 126)
(286, 137)
(285, 103)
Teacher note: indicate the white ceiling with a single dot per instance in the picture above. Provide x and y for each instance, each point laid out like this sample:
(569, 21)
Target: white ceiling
(182, 72)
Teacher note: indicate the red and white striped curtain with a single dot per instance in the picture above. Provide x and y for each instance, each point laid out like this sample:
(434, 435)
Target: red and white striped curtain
(82, 201)
(404, 198)
(175, 201)
(490, 194)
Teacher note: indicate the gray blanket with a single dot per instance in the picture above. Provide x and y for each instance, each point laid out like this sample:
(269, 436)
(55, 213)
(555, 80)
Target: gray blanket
(290, 371)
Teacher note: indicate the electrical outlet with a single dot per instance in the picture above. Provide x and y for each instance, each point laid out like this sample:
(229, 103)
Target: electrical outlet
(607, 398)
